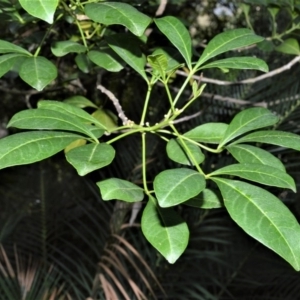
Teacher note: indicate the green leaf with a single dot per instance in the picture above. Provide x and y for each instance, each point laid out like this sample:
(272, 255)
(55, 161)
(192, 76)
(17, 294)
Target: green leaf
(38, 72)
(119, 189)
(159, 63)
(177, 153)
(228, 40)
(29, 147)
(172, 55)
(107, 118)
(106, 59)
(83, 63)
(247, 120)
(165, 230)
(238, 63)
(7, 47)
(278, 138)
(178, 35)
(175, 186)
(111, 13)
(264, 217)
(64, 47)
(207, 199)
(259, 173)
(88, 158)
(48, 119)
(7, 61)
(69, 109)
(128, 48)
(80, 101)
(250, 154)
(41, 9)
(289, 46)
(207, 133)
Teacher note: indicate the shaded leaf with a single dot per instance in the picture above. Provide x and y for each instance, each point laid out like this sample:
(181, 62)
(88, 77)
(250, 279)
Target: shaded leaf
(69, 109)
(238, 63)
(228, 40)
(38, 72)
(178, 35)
(80, 101)
(259, 173)
(107, 118)
(106, 59)
(278, 138)
(250, 154)
(175, 186)
(77, 143)
(111, 13)
(7, 47)
(289, 46)
(165, 230)
(40, 8)
(29, 147)
(159, 63)
(128, 48)
(48, 119)
(247, 120)
(83, 63)
(172, 55)
(7, 61)
(88, 158)
(264, 217)
(207, 133)
(207, 199)
(64, 47)
(177, 153)
(115, 188)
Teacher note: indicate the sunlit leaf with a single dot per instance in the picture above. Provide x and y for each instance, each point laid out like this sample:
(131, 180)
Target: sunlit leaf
(175, 186)
(289, 46)
(159, 63)
(259, 173)
(177, 34)
(91, 157)
(29, 147)
(38, 72)
(64, 47)
(264, 217)
(249, 154)
(247, 120)
(177, 152)
(42, 9)
(115, 188)
(106, 59)
(278, 138)
(7, 47)
(207, 133)
(243, 63)
(165, 230)
(48, 119)
(228, 40)
(69, 109)
(7, 61)
(111, 13)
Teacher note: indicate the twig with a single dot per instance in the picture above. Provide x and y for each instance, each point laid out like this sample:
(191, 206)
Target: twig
(246, 81)
(161, 8)
(187, 118)
(115, 102)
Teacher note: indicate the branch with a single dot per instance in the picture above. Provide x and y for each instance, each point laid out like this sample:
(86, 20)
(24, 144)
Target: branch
(161, 8)
(115, 102)
(246, 81)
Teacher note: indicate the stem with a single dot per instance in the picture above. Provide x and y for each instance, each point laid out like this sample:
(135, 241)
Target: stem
(123, 135)
(144, 163)
(169, 97)
(146, 103)
(187, 150)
